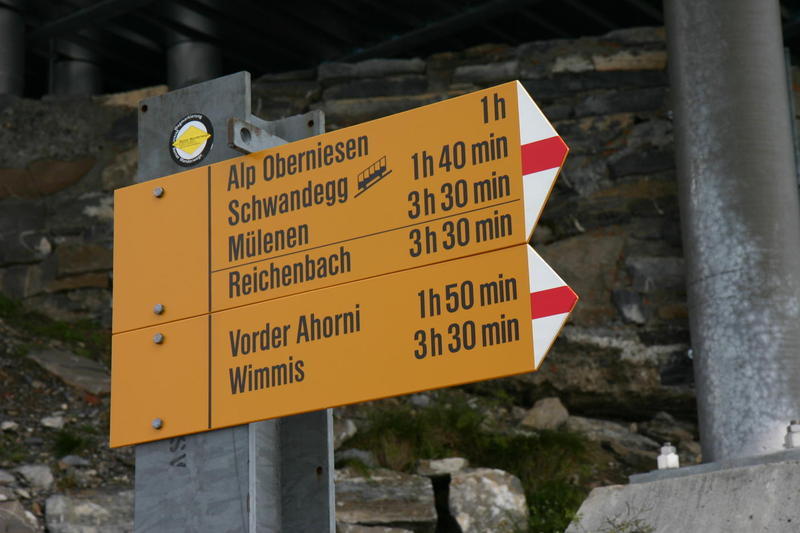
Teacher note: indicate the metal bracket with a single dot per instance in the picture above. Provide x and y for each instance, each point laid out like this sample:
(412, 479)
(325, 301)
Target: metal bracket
(256, 134)
(247, 138)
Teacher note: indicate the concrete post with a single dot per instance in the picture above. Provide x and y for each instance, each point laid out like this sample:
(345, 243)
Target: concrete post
(75, 71)
(12, 49)
(740, 220)
(190, 60)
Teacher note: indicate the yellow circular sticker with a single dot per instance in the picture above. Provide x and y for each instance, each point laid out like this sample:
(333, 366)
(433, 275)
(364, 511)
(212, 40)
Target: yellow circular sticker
(191, 139)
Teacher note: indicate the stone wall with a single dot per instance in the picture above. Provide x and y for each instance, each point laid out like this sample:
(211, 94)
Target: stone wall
(611, 228)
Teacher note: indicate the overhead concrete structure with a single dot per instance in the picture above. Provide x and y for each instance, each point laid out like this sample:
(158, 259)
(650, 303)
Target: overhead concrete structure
(12, 48)
(740, 220)
(75, 71)
(190, 58)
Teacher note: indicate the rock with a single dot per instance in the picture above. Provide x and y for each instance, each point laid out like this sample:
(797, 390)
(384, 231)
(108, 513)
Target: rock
(99, 280)
(130, 98)
(6, 494)
(547, 413)
(22, 281)
(629, 304)
(121, 171)
(43, 178)
(363, 456)
(30, 245)
(354, 528)
(72, 460)
(22, 493)
(81, 259)
(6, 477)
(74, 370)
(492, 73)
(15, 519)
(640, 460)
(441, 467)
(664, 428)
(690, 452)
(371, 68)
(572, 64)
(94, 512)
(606, 430)
(640, 35)
(343, 429)
(631, 60)
(37, 476)
(650, 273)
(487, 499)
(421, 400)
(53, 422)
(125, 129)
(637, 100)
(8, 425)
(642, 162)
(347, 112)
(385, 498)
(291, 75)
(392, 86)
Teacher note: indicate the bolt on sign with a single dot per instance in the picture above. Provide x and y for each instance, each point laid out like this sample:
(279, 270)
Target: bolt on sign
(337, 269)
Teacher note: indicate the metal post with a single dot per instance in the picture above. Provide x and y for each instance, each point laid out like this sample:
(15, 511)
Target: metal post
(75, 71)
(12, 48)
(190, 60)
(740, 221)
(268, 477)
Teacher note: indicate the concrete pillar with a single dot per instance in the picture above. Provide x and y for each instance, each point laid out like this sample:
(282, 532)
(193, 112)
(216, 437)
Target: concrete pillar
(75, 71)
(740, 220)
(12, 48)
(189, 59)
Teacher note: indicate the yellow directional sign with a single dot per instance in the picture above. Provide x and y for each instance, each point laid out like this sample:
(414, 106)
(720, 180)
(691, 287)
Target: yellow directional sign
(471, 319)
(456, 178)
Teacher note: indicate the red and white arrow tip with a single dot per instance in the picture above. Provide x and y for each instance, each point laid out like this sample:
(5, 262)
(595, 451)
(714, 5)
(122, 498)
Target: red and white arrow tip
(543, 155)
(551, 303)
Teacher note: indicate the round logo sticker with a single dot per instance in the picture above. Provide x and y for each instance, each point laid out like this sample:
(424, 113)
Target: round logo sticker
(191, 140)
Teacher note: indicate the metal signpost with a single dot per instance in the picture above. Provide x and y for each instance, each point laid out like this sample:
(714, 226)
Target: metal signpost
(373, 261)
(269, 476)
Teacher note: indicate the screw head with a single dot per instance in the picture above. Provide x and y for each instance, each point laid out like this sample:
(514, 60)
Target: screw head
(158, 309)
(157, 423)
(158, 338)
(158, 192)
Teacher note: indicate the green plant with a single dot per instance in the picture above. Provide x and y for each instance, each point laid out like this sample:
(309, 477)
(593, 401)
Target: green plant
(11, 451)
(84, 336)
(547, 463)
(68, 442)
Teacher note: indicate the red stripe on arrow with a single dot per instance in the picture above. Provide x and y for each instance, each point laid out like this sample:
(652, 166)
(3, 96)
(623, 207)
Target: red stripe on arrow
(552, 302)
(542, 155)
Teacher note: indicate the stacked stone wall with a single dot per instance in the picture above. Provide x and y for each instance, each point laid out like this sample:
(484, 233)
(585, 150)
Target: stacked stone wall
(611, 228)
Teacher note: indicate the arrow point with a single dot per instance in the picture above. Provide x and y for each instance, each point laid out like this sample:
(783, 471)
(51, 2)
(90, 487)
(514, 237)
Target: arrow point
(552, 302)
(542, 153)
(533, 126)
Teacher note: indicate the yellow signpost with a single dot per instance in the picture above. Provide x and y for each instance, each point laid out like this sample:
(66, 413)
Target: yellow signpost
(335, 269)
(454, 322)
(436, 183)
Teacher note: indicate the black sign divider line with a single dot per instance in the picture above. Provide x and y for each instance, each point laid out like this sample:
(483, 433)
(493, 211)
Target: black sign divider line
(209, 296)
(361, 236)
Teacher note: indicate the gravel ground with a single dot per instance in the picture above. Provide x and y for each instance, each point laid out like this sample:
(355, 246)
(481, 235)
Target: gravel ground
(43, 421)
